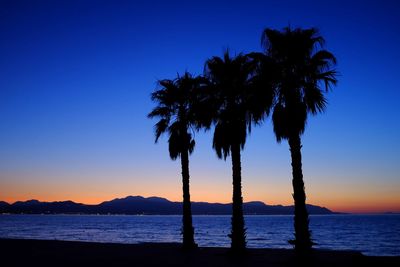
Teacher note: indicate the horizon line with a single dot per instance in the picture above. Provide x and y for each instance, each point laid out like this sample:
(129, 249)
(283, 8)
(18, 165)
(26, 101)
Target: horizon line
(334, 211)
(34, 199)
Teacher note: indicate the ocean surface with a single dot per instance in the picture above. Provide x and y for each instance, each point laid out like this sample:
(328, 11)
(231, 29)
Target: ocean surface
(376, 235)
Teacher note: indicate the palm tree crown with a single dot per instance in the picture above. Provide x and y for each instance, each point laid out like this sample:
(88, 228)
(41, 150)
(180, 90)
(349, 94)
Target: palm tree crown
(303, 72)
(230, 83)
(176, 99)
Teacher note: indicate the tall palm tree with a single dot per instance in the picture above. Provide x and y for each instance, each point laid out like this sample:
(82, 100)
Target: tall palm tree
(229, 84)
(175, 100)
(303, 73)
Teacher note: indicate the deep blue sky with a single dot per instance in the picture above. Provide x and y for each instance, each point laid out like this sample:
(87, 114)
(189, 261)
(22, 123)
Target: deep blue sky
(75, 80)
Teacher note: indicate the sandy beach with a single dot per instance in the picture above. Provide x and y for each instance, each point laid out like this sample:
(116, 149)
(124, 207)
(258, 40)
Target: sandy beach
(18, 252)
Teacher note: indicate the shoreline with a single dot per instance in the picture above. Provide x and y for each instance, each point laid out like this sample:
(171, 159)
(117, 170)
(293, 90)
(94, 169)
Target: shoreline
(30, 252)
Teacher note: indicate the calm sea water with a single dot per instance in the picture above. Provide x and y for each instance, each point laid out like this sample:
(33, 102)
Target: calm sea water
(370, 234)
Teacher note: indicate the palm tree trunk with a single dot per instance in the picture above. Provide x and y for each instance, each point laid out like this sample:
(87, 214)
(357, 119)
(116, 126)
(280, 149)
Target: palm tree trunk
(188, 231)
(302, 240)
(238, 235)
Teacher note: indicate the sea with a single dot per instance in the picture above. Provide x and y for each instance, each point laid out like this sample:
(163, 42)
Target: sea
(373, 235)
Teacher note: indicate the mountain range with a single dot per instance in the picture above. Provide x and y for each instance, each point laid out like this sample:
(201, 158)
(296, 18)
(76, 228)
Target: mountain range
(148, 206)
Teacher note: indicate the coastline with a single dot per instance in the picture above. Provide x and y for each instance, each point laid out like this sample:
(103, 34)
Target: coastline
(29, 252)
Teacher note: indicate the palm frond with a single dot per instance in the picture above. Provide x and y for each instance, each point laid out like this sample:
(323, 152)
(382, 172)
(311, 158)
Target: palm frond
(315, 100)
(323, 58)
(279, 123)
(160, 128)
(328, 78)
(220, 141)
(160, 111)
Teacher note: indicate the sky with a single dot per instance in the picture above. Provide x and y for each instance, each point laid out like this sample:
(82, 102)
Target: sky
(75, 85)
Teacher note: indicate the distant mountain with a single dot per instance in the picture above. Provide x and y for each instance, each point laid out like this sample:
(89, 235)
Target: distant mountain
(35, 206)
(148, 206)
(4, 205)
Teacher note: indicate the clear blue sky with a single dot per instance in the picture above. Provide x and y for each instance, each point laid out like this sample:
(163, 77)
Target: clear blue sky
(75, 80)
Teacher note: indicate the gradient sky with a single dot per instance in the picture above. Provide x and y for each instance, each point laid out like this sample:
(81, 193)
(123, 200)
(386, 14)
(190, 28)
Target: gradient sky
(75, 80)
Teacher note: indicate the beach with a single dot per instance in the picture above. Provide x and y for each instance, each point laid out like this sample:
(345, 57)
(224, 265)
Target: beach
(25, 252)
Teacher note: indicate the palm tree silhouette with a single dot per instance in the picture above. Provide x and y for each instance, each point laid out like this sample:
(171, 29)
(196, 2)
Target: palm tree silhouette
(229, 90)
(175, 101)
(303, 72)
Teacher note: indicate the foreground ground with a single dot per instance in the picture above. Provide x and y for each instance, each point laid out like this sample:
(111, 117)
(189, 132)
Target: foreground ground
(16, 252)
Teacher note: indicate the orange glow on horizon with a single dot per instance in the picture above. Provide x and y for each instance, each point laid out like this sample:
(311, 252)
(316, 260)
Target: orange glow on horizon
(351, 198)
(367, 207)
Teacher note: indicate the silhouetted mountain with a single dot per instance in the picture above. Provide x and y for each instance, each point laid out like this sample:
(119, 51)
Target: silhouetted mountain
(35, 206)
(140, 205)
(4, 205)
(150, 206)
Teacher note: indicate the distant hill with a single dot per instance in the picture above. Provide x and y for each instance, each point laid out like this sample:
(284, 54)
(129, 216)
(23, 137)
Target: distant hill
(148, 206)
(4, 205)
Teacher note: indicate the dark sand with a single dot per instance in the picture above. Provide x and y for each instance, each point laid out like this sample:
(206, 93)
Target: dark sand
(17, 252)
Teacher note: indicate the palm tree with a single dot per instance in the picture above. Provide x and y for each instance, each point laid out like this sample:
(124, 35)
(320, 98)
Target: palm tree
(175, 100)
(229, 89)
(303, 73)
